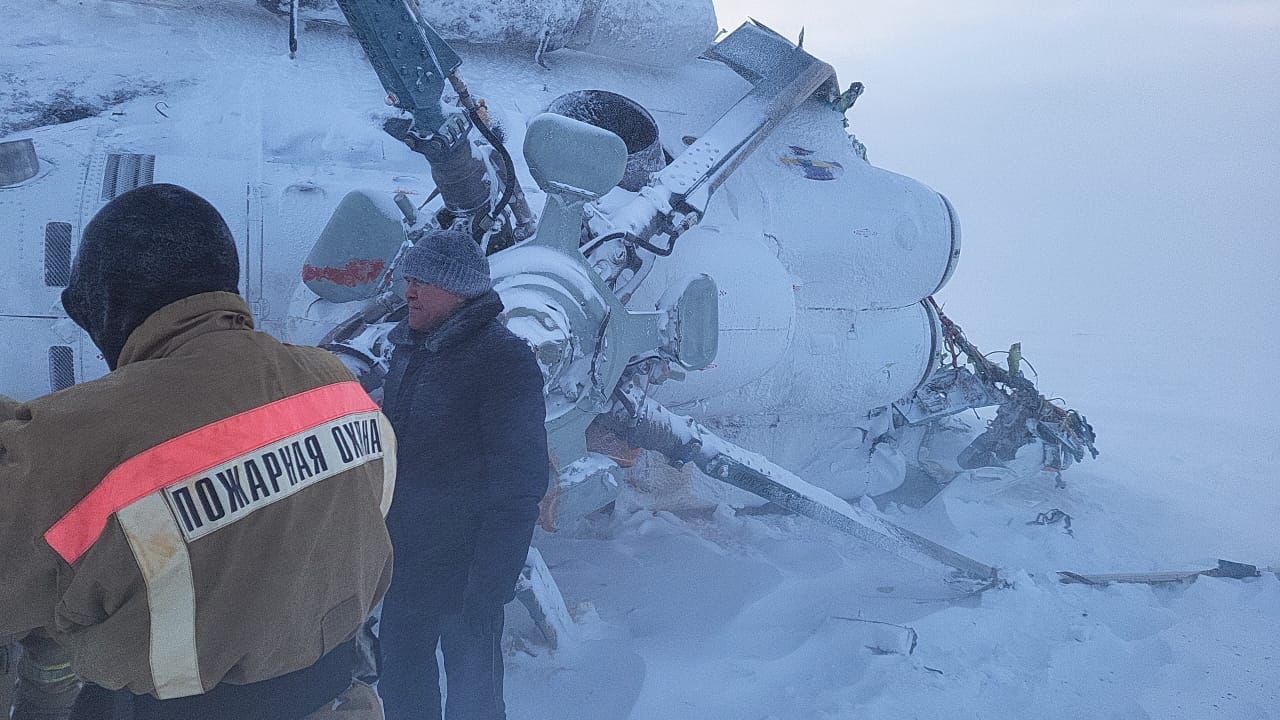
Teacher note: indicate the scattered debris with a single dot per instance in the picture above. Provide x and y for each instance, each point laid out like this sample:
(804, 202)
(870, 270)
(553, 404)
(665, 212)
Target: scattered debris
(1023, 416)
(1225, 569)
(536, 589)
(1029, 437)
(889, 642)
(1053, 517)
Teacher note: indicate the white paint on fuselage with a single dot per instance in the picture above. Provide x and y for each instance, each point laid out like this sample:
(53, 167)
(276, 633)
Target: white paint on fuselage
(275, 144)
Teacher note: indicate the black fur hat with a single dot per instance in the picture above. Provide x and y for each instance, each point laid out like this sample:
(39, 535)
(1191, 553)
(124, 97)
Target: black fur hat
(147, 248)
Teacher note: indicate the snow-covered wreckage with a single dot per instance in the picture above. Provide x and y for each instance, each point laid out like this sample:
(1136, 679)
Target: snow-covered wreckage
(695, 246)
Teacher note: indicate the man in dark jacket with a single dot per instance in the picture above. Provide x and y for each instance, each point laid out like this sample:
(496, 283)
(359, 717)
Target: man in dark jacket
(465, 398)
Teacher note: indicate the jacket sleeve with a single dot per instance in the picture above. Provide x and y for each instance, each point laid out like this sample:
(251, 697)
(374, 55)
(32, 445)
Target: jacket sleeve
(26, 581)
(514, 441)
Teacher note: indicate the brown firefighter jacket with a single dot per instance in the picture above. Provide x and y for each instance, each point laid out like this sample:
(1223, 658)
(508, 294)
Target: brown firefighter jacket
(212, 511)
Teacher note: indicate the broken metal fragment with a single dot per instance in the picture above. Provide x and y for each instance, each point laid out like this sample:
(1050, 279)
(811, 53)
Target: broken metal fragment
(647, 424)
(1225, 569)
(1053, 517)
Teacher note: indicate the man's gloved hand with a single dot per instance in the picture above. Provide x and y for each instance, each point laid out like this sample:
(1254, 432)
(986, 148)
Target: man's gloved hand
(482, 618)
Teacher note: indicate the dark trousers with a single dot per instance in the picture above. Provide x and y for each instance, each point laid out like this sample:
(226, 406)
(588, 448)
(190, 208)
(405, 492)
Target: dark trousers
(410, 681)
(288, 697)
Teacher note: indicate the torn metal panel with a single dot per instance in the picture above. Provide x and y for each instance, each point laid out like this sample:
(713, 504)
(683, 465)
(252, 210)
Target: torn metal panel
(886, 638)
(1225, 569)
(949, 391)
(538, 592)
(587, 484)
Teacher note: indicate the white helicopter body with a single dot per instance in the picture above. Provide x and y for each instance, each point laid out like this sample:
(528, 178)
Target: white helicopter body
(821, 260)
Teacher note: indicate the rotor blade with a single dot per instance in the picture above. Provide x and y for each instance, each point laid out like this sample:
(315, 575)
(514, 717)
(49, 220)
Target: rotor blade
(681, 438)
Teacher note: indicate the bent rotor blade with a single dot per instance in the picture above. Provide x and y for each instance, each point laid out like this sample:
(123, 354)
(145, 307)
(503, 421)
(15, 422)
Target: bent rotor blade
(681, 438)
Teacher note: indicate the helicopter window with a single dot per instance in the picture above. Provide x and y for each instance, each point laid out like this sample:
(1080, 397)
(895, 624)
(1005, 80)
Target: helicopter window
(18, 162)
(57, 254)
(62, 367)
(126, 171)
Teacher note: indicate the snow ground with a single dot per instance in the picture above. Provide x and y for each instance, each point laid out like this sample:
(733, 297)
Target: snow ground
(1116, 176)
(724, 616)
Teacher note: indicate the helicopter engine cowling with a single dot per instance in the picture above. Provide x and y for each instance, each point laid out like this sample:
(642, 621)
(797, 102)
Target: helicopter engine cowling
(779, 354)
(820, 313)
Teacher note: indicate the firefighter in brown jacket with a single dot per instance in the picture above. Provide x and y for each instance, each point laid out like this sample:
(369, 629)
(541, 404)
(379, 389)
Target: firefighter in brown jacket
(201, 529)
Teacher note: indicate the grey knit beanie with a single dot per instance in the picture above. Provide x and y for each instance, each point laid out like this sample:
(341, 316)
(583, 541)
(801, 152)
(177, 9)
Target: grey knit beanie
(450, 260)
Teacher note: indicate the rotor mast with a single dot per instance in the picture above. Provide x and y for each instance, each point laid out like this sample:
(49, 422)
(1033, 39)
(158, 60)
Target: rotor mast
(413, 64)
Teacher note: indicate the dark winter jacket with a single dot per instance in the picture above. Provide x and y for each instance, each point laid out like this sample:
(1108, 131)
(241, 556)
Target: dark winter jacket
(467, 405)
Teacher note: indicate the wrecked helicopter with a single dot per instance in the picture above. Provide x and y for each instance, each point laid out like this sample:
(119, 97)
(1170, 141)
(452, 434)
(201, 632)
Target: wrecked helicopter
(692, 242)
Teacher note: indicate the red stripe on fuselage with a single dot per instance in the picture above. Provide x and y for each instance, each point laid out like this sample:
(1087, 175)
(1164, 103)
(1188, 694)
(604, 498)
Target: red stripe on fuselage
(195, 452)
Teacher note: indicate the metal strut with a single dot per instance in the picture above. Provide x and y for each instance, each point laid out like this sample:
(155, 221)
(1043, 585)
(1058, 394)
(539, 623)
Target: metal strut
(649, 425)
(413, 64)
(783, 77)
